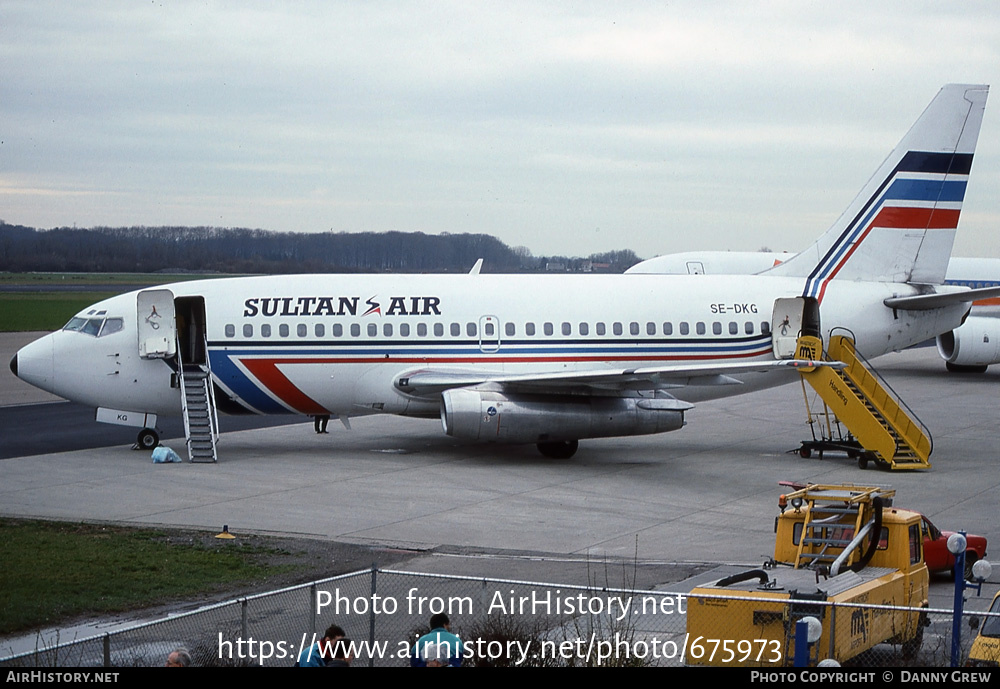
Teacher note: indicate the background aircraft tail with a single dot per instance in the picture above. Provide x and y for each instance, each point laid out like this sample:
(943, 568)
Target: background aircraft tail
(902, 225)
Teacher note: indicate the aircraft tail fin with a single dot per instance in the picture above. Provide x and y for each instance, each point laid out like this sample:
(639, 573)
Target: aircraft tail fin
(902, 225)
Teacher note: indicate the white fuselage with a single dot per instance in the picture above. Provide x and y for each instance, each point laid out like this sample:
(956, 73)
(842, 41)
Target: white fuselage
(313, 344)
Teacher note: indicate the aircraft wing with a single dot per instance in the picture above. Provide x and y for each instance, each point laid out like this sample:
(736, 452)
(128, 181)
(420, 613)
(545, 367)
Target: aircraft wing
(922, 302)
(430, 381)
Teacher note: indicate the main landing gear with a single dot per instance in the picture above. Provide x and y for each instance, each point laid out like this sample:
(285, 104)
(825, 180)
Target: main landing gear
(559, 449)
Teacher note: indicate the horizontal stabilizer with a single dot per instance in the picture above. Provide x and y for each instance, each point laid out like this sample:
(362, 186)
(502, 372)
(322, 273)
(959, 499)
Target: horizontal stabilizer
(924, 302)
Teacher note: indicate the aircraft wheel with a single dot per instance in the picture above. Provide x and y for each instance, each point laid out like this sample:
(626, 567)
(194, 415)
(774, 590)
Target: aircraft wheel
(147, 439)
(805, 452)
(563, 449)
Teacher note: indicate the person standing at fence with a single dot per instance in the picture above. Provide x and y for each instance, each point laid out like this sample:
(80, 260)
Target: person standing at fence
(439, 647)
(319, 653)
(179, 657)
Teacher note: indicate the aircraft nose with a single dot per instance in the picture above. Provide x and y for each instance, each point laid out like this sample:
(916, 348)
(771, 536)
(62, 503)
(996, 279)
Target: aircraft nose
(33, 363)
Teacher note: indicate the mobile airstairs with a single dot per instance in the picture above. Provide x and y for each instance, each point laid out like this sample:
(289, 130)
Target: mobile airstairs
(201, 422)
(885, 429)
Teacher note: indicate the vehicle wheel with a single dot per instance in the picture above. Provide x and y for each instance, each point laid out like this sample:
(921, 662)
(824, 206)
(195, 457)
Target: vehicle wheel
(958, 368)
(862, 462)
(805, 452)
(147, 439)
(563, 449)
(970, 560)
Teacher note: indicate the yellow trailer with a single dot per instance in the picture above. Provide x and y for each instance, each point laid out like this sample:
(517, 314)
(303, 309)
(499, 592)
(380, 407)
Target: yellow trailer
(843, 555)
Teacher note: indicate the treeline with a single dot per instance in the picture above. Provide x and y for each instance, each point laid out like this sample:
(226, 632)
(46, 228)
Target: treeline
(237, 250)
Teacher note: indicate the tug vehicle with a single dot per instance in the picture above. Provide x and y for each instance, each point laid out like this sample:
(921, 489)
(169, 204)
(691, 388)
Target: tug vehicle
(842, 555)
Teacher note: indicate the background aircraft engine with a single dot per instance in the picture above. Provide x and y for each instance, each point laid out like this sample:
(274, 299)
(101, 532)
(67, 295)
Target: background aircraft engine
(972, 347)
(494, 417)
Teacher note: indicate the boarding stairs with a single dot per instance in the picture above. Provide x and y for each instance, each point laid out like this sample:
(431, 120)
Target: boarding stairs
(201, 422)
(865, 404)
(834, 514)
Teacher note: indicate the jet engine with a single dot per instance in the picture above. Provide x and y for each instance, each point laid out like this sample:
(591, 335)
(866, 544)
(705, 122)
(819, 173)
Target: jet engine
(490, 416)
(972, 347)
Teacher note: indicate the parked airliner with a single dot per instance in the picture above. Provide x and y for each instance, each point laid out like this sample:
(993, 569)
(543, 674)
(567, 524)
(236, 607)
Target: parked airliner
(970, 348)
(536, 359)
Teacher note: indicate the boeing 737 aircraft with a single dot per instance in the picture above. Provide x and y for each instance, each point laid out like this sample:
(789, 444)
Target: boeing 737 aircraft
(970, 348)
(537, 359)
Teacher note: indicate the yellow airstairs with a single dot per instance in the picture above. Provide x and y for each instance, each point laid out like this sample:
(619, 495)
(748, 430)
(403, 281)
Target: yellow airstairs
(873, 414)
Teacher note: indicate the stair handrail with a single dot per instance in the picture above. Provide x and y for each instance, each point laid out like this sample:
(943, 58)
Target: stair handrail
(895, 396)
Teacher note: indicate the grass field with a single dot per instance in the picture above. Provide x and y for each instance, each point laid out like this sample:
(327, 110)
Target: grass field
(53, 571)
(21, 311)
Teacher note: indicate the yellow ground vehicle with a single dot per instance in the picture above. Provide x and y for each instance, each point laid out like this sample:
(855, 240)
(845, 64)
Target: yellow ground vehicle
(985, 651)
(834, 544)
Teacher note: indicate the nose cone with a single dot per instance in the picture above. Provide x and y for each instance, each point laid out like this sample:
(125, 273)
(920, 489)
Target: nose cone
(33, 363)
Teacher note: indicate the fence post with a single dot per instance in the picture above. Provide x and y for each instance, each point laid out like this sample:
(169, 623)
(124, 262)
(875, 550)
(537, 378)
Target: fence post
(107, 650)
(312, 607)
(371, 613)
(244, 628)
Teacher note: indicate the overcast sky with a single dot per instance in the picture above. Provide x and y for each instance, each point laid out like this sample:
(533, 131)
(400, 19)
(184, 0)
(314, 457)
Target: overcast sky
(566, 127)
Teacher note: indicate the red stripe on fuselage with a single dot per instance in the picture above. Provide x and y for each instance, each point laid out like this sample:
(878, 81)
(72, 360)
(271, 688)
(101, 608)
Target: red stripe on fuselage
(917, 218)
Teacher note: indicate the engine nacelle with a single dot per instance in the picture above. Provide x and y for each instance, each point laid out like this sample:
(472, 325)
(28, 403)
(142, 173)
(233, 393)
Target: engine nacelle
(489, 416)
(975, 345)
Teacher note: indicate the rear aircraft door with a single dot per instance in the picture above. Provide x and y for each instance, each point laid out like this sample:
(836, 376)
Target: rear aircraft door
(791, 318)
(489, 334)
(155, 324)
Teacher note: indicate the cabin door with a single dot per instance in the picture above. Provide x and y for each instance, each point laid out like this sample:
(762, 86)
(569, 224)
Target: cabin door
(791, 318)
(156, 325)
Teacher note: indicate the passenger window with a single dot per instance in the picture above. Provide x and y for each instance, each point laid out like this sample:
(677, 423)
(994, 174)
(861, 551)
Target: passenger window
(601, 330)
(633, 328)
(509, 329)
(650, 328)
(338, 330)
(684, 328)
(470, 329)
(567, 329)
(456, 330)
(734, 328)
(372, 330)
(422, 329)
(265, 330)
(488, 330)
(404, 329)
(765, 327)
(616, 328)
(283, 329)
(748, 327)
(387, 329)
(355, 330)
(548, 329)
(529, 329)
(699, 328)
(302, 330)
(320, 330)
(247, 330)
(584, 329)
(668, 328)
(716, 328)
(439, 330)
(230, 330)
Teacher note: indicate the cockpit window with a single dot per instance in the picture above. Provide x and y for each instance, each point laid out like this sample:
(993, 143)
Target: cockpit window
(112, 325)
(98, 326)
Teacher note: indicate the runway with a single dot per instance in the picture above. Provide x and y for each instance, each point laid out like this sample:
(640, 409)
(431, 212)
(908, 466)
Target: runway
(704, 494)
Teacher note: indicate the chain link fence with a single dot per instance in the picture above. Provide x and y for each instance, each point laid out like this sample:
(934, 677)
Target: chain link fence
(505, 622)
